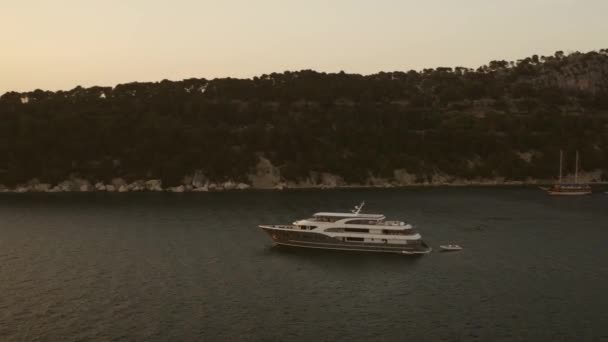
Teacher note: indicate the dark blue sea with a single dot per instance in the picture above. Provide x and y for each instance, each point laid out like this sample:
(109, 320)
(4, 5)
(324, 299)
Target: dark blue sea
(195, 267)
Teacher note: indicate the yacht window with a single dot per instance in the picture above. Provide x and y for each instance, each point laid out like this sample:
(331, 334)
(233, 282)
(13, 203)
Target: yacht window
(354, 239)
(362, 222)
(356, 230)
(326, 219)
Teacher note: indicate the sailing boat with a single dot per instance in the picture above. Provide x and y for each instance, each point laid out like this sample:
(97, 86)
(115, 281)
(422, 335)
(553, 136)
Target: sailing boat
(568, 189)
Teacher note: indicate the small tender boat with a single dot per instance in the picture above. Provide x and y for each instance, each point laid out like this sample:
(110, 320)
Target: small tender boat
(449, 248)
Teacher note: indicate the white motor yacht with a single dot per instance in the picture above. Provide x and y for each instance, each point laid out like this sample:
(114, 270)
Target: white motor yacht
(354, 231)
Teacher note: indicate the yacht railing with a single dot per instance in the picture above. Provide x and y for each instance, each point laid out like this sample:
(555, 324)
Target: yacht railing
(399, 232)
(393, 223)
(283, 226)
(359, 221)
(379, 223)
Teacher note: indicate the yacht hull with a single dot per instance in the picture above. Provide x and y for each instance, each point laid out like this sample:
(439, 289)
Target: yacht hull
(308, 239)
(568, 193)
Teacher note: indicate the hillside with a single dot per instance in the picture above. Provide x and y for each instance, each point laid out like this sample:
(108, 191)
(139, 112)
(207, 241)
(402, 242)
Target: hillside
(505, 121)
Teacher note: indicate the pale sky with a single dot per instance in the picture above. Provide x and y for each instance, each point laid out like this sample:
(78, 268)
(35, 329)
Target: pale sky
(59, 44)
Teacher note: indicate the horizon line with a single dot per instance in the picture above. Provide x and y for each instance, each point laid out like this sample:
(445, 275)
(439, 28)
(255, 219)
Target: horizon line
(567, 53)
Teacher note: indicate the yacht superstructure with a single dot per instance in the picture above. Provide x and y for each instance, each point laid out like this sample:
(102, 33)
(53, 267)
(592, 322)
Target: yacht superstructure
(354, 231)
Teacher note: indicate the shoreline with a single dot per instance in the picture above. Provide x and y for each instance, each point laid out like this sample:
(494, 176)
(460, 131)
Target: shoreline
(267, 177)
(242, 187)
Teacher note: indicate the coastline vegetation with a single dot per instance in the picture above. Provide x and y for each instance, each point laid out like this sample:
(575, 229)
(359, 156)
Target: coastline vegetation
(504, 119)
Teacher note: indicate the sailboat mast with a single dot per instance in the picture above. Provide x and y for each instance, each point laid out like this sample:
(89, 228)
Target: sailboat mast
(561, 157)
(576, 169)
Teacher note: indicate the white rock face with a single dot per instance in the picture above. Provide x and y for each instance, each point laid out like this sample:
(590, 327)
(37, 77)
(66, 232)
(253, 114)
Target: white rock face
(99, 186)
(526, 156)
(229, 185)
(118, 182)
(376, 181)
(402, 177)
(81, 184)
(154, 185)
(180, 188)
(32, 183)
(138, 185)
(266, 176)
(123, 188)
(199, 180)
(66, 186)
(42, 187)
(440, 179)
(243, 186)
(204, 188)
(330, 180)
(110, 188)
(586, 176)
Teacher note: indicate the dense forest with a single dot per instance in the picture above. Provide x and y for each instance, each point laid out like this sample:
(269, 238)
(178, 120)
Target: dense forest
(505, 119)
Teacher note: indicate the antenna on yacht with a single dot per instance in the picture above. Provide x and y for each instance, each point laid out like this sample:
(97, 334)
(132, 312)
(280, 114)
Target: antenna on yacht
(358, 208)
